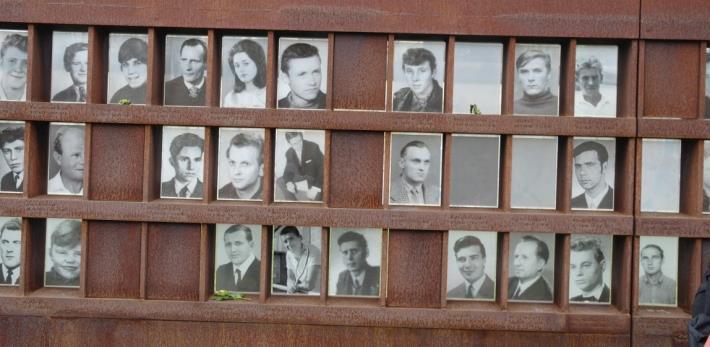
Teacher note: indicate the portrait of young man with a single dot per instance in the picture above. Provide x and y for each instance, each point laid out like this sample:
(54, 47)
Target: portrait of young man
(532, 258)
(706, 176)
(470, 257)
(537, 78)
(303, 71)
(589, 264)
(420, 69)
(10, 242)
(70, 55)
(241, 164)
(296, 260)
(415, 170)
(299, 162)
(240, 267)
(128, 68)
(12, 143)
(66, 159)
(186, 70)
(355, 255)
(63, 260)
(593, 170)
(658, 267)
(182, 164)
(596, 90)
(13, 65)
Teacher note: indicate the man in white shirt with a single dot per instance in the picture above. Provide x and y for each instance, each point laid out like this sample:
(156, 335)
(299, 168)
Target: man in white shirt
(186, 154)
(590, 101)
(241, 273)
(68, 154)
(188, 89)
(587, 265)
(10, 241)
(590, 167)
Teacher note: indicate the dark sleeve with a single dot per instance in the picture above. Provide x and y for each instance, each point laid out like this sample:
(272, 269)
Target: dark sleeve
(318, 167)
(292, 166)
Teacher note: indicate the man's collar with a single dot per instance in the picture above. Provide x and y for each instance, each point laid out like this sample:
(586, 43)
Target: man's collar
(191, 85)
(244, 266)
(596, 292)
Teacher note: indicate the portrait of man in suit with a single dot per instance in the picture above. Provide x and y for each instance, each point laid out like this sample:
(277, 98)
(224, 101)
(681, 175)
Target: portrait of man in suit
(529, 260)
(12, 143)
(587, 267)
(359, 277)
(591, 161)
(76, 63)
(188, 89)
(10, 242)
(65, 254)
(68, 155)
(241, 273)
(470, 255)
(301, 70)
(302, 178)
(245, 163)
(186, 154)
(409, 187)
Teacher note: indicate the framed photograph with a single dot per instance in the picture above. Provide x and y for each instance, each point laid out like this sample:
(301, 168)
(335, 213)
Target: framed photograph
(534, 176)
(12, 168)
(70, 66)
(296, 260)
(244, 71)
(478, 78)
(532, 268)
(590, 267)
(596, 78)
(658, 271)
(237, 258)
(706, 176)
(185, 70)
(475, 168)
(660, 175)
(303, 75)
(707, 83)
(65, 170)
(593, 160)
(418, 74)
(298, 168)
(415, 169)
(10, 250)
(127, 68)
(62, 260)
(13, 65)
(240, 164)
(354, 262)
(182, 164)
(537, 80)
(471, 271)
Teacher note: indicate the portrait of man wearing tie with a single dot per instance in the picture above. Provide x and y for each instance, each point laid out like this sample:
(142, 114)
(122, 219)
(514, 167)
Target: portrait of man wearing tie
(587, 268)
(359, 278)
(470, 258)
(10, 242)
(591, 168)
(185, 155)
(187, 89)
(411, 182)
(302, 163)
(531, 256)
(241, 273)
(75, 62)
(12, 143)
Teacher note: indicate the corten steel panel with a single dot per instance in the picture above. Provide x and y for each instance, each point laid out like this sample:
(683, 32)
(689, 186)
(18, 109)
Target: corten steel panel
(359, 71)
(356, 169)
(675, 20)
(414, 269)
(117, 162)
(670, 81)
(113, 259)
(173, 270)
(99, 332)
(24, 331)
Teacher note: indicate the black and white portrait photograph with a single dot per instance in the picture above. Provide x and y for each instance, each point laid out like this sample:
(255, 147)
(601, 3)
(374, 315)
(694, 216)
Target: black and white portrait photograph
(595, 77)
(303, 73)
(237, 260)
(590, 266)
(707, 83)
(537, 80)
(13, 65)
(531, 267)
(240, 164)
(70, 66)
(127, 68)
(354, 262)
(658, 271)
(418, 74)
(660, 175)
(62, 260)
(65, 170)
(594, 168)
(471, 271)
(478, 77)
(10, 250)
(244, 71)
(534, 176)
(185, 70)
(296, 260)
(706, 176)
(475, 167)
(415, 169)
(12, 168)
(182, 163)
(298, 168)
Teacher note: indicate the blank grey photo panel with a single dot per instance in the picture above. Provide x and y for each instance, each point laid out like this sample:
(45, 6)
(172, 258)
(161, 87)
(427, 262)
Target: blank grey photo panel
(660, 175)
(478, 73)
(475, 163)
(534, 176)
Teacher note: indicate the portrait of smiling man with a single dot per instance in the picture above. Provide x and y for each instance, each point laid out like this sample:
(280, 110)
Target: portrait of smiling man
(131, 61)
(75, 61)
(64, 252)
(241, 273)
(184, 154)
(188, 88)
(302, 71)
(470, 260)
(530, 258)
(588, 265)
(66, 163)
(243, 162)
(13, 65)
(422, 93)
(410, 182)
(592, 170)
(10, 242)
(536, 80)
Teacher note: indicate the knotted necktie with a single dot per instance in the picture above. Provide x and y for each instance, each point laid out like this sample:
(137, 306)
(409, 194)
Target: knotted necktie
(238, 277)
(516, 295)
(183, 192)
(193, 92)
(469, 291)
(8, 278)
(82, 94)
(356, 287)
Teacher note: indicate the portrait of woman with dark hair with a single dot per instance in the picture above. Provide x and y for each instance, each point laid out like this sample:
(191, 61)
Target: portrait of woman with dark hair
(247, 62)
